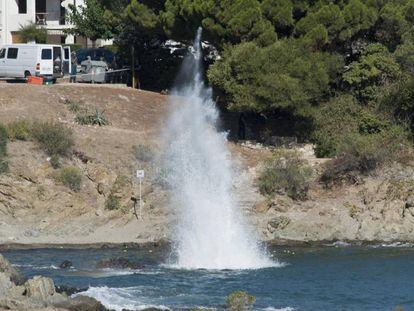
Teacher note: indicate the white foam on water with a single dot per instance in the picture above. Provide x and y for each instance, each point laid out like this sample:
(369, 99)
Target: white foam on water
(394, 245)
(118, 298)
(279, 309)
(211, 233)
(34, 267)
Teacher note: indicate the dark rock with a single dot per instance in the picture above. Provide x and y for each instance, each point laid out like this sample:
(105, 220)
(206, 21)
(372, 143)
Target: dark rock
(118, 263)
(15, 276)
(82, 303)
(68, 290)
(66, 264)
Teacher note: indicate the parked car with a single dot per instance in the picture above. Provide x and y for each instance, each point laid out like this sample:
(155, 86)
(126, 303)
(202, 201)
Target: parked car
(98, 54)
(43, 60)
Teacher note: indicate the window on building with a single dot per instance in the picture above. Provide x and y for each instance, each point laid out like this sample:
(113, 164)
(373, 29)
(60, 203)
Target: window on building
(2, 53)
(12, 53)
(62, 20)
(47, 54)
(40, 6)
(22, 6)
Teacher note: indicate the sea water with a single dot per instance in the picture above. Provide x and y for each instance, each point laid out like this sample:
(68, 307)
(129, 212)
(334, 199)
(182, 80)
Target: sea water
(327, 278)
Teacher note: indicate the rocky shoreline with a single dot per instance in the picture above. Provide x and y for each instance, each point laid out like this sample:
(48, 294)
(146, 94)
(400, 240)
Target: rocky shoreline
(167, 244)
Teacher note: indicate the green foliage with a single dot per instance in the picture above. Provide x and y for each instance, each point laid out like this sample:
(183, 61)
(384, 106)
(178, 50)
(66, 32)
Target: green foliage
(344, 116)
(4, 167)
(239, 301)
(364, 153)
(53, 138)
(55, 161)
(71, 177)
(143, 153)
(96, 118)
(32, 32)
(399, 101)
(90, 21)
(112, 203)
(225, 21)
(286, 172)
(19, 130)
(375, 68)
(283, 75)
(3, 140)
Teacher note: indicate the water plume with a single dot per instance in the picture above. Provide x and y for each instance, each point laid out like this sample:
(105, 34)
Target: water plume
(210, 232)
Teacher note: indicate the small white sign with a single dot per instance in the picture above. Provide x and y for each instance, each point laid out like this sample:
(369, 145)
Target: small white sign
(140, 173)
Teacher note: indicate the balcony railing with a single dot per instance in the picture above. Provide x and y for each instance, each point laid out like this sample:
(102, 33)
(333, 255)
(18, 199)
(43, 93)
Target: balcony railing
(43, 17)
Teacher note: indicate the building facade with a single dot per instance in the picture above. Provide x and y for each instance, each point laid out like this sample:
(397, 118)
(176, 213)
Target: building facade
(50, 14)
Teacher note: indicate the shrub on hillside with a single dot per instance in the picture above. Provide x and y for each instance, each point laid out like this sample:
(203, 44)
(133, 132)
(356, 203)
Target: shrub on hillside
(53, 138)
(19, 130)
(364, 153)
(285, 171)
(112, 203)
(342, 119)
(95, 118)
(239, 301)
(71, 177)
(4, 167)
(143, 153)
(55, 161)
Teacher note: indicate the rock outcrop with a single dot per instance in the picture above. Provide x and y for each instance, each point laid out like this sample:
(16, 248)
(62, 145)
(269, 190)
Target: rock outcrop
(118, 263)
(38, 293)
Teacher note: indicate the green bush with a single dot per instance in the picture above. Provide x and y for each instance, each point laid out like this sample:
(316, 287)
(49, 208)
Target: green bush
(72, 106)
(341, 118)
(95, 118)
(32, 32)
(55, 161)
(3, 141)
(112, 203)
(71, 177)
(364, 153)
(4, 167)
(19, 130)
(143, 153)
(239, 301)
(285, 171)
(53, 138)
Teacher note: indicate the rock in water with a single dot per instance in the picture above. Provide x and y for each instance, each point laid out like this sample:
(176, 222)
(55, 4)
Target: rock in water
(118, 263)
(15, 276)
(82, 303)
(66, 264)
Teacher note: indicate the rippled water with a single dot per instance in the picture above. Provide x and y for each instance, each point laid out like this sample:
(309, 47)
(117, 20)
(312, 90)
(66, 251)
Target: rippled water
(329, 278)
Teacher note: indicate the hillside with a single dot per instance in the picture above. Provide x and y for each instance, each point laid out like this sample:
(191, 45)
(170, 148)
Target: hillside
(35, 208)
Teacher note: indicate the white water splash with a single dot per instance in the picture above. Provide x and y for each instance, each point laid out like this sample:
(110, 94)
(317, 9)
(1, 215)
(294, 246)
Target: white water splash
(210, 233)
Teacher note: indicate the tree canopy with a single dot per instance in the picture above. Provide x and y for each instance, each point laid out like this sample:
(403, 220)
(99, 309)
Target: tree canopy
(295, 56)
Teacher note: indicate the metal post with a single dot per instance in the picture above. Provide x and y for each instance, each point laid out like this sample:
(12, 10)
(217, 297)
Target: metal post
(140, 198)
(140, 176)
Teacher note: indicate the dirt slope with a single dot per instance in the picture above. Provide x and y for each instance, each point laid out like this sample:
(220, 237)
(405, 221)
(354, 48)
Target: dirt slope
(37, 209)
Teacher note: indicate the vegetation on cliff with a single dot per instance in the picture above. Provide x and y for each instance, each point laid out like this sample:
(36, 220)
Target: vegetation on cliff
(343, 67)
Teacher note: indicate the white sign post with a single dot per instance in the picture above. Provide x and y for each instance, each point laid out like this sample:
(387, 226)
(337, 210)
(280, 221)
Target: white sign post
(140, 176)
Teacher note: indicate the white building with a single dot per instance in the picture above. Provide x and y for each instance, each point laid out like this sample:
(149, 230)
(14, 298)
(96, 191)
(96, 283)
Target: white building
(50, 14)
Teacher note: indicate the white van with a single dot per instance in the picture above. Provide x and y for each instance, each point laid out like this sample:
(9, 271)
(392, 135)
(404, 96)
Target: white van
(43, 60)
